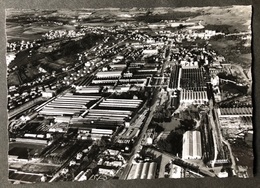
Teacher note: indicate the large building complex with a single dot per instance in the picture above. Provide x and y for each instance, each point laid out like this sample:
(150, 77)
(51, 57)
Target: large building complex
(191, 145)
(195, 97)
(68, 104)
(192, 78)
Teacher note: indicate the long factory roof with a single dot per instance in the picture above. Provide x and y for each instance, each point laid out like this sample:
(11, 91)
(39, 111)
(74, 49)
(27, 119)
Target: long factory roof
(191, 145)
(236, 111)
(144, 170)
(68, 104)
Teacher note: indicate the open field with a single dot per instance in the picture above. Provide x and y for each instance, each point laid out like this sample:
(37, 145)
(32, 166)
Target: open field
(234, 16)
(23, 149)
(169, 126)
(244, 155)
(233, 50)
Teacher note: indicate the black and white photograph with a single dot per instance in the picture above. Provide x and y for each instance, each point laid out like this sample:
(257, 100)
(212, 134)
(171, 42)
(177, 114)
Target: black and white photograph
(129, 93)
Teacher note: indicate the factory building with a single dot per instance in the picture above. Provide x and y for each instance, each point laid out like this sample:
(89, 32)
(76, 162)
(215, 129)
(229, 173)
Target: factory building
(191, 145)
(83, 175)
(59, 127)
(110, 81)
(138, 81)
(109, 74)
(150, 52)
(192, 79)
(195, 97)
(119, 89)
(189, 65)
(98, 121)
(107, 171)
(143, 170)
(137, 64)
(157, 26)
(214, 81)
(236, 118)
(68, 104)
(129, 134)
(121, 103)
(147, 70)
(101, 119)
(102, 113)
(17, 176)
(235, 112)
(176, 172)
(48, 93)
(89, 89)
(61, 119)
(118, 66)
(174, 79)
(105, 117)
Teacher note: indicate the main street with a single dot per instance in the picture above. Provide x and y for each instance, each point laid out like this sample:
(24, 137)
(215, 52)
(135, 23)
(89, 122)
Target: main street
(138, 144)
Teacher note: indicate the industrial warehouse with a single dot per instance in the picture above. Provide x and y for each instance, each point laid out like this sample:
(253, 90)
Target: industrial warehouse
(190, 96)
(191, 145)
(143, 170)
(93, 116)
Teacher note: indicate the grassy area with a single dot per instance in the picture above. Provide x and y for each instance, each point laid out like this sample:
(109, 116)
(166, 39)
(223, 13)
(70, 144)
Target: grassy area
(26, 145)
(244, 154)
(220, 28)
(22, 150)
(234, 89)
(168, 126)
(234, 50)
(233, 18)
(13, 79)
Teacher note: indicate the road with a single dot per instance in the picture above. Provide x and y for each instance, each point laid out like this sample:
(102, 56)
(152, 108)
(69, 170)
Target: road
(233, 161)
(218, 138)
(215, 138)
(138, 142)
(143, 132)
(202, 169)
